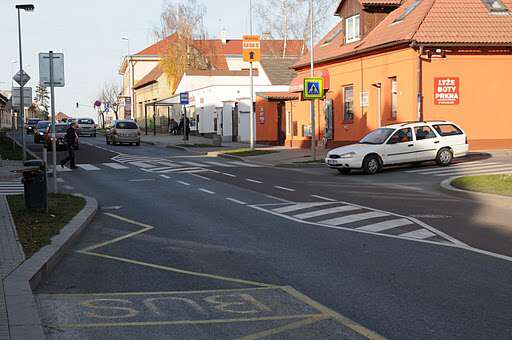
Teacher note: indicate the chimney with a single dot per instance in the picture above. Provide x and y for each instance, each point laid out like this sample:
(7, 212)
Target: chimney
(223, 37)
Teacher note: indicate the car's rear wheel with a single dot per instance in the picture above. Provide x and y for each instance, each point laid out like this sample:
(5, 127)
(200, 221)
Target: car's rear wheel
(371, 164)
(344, 171)
(444, 157)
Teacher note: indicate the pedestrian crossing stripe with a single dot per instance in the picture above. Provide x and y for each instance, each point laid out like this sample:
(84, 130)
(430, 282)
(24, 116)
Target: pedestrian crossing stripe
(11, 188)
(347, 216)
(465, 169)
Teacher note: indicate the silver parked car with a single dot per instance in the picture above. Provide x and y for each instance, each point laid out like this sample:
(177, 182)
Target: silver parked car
(123, 131)
(86, 126)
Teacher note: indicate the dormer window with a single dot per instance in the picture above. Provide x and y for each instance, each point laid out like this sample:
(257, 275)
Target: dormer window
(352, 31)
(407, 11)
(495, 5)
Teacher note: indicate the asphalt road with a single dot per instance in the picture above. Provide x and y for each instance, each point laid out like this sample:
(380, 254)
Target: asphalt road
(223, 250)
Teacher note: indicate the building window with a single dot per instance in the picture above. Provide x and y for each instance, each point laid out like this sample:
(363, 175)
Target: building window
(352, 29)
(495, 5)
(348, 103)
(394, 98)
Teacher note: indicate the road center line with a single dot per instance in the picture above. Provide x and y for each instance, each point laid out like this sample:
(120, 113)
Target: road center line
(283, 188)
(324, 198)
(165, 176)
(207, 191)
(184, 183)
(235, 201)
(199, 176)
(141, 180)
(227, 174)
(253, 180)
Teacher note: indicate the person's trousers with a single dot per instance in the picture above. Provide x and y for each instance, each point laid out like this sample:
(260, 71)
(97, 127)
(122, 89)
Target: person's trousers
(70, 158)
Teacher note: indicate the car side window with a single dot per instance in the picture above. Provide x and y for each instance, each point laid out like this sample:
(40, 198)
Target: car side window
(401, 136)
(445, 130)
(424, 132)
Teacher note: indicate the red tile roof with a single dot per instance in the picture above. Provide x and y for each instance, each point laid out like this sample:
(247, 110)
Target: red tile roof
(268, 47)
(212, 49)
(226, 73)
(393, 3)
(466, 22)
(150, 78)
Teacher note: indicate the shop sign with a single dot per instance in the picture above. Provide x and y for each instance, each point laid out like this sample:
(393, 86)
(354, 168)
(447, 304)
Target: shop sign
(364, 99)
(262, 116)
(446, 91)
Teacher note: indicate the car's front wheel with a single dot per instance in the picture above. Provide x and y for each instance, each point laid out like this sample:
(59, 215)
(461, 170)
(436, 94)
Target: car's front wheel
(371, 164)
(444, 157)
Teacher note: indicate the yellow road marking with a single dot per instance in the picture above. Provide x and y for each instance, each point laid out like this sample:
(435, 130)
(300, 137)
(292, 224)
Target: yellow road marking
(174, 292)
(185, 322)
(288, 327)
(336, 316)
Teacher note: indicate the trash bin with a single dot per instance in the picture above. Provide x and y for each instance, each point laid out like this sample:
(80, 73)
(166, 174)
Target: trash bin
(34, 185)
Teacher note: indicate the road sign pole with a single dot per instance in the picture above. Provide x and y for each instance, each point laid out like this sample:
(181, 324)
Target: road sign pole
(251, 125)
(184, 124)
(54, 140)
(312, 72)
(22, 110)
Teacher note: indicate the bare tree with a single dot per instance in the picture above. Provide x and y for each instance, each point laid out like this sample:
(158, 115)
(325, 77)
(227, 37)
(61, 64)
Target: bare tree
(182, 25)
(110, 96)
(290, 19)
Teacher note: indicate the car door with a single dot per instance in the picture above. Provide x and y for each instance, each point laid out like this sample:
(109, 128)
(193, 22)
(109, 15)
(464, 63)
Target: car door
(400, 147)
(426, 144)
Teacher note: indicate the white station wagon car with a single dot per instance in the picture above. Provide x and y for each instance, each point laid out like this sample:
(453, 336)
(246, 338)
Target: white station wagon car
(411, 142)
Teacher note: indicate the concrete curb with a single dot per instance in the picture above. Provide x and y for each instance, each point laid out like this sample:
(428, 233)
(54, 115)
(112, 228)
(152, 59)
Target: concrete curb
(502, 201)
(24, 320)
(32, 154)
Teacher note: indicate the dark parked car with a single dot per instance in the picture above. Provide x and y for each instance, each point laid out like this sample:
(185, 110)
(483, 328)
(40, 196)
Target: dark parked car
(31, 124)
(40, 131)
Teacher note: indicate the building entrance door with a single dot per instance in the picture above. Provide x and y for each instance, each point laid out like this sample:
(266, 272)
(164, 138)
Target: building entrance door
(281, 124)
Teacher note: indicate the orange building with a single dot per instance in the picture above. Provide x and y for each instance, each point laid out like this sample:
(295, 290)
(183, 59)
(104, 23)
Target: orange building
(389, 61)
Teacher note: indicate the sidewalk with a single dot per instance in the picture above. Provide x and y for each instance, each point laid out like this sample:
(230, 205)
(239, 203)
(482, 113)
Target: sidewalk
(176, 141)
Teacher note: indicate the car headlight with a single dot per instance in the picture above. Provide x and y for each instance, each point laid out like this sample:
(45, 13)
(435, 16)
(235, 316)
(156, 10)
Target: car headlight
(348, 155)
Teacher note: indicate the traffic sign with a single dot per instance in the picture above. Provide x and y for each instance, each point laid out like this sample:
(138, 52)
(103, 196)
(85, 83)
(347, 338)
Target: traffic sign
(21, 78)
(313, 88)
(251, 48)
(184, 98)
(58, 69)
(27, 97)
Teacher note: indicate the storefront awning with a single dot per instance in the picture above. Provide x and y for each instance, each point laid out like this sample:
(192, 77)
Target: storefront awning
(278, 96)
(173, 100)
(297, 84)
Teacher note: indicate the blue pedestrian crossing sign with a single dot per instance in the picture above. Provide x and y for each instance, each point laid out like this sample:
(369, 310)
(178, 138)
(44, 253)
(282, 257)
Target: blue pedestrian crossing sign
(313, 88)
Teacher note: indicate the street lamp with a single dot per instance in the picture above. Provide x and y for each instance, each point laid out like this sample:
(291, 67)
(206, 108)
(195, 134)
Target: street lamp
(26, 8)
(131, 75)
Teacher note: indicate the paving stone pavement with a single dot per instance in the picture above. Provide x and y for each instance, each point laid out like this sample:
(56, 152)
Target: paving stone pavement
(11, 255)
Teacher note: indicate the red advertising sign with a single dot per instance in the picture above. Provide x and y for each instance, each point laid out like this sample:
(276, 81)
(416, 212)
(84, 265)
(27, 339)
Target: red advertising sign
(446, 91)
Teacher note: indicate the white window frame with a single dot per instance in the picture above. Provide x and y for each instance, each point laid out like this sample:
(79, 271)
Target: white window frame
(352, 29)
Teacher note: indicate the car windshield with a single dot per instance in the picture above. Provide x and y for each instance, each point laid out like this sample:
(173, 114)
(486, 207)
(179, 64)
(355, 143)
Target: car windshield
(378, 136)
(43, 125)
(85, 121)
(61, 128)
(126, 125)
(33, 121)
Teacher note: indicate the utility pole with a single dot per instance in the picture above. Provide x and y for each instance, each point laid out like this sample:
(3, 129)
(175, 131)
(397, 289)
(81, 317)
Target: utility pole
(312, 74)
(251, 116)
(54, 139)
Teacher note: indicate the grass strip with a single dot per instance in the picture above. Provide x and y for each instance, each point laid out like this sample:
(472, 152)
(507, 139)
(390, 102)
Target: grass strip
(35, 229)
(491, 184)
(245, 152)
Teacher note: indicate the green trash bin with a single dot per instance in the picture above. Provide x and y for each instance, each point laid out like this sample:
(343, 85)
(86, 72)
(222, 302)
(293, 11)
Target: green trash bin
(34, 185)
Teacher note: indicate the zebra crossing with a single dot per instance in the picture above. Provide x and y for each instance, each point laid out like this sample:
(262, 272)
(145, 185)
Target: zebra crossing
(164, 165)
(11, 188)
(465, 168)
(343, 215)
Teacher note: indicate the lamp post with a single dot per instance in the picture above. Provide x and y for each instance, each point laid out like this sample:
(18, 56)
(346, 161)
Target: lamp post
(27, 8)
(131, 76)
(252, 123)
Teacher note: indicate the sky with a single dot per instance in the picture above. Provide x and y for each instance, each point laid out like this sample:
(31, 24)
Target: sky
(89, 33)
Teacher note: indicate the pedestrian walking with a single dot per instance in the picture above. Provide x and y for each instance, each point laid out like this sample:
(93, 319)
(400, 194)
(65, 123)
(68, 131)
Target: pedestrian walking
(71, 139)
(173, 127)
(184, 127)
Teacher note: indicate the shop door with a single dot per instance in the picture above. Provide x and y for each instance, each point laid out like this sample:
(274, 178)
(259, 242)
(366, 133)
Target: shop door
(281, 124)
(234, 123)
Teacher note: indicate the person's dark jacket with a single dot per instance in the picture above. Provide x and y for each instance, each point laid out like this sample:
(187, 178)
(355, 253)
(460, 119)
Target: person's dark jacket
(70, 138)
